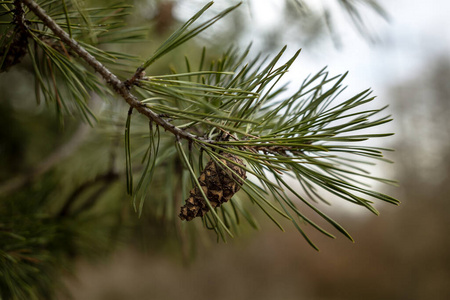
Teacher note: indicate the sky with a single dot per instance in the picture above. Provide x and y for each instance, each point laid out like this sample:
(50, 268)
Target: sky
(417, 31)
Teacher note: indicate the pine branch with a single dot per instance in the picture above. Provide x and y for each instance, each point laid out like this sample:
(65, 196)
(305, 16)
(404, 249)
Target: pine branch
(236, 141)
(121, 88)
(229, 112)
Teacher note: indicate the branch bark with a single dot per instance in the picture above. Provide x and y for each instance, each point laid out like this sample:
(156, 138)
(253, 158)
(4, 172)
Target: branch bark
(121, 88)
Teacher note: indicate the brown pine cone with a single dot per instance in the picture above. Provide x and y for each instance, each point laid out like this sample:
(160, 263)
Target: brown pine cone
(218, 183)
(13, 52)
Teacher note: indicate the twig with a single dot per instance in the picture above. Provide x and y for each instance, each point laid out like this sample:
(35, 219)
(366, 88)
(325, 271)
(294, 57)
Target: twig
(59, 154)
(47, 163)
(104, 178)
(121, 88)
(19, 16)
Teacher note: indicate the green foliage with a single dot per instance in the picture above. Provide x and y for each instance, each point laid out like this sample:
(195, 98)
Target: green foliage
(61, 78)
(36, 245)
(28, 261)
(308, 135)
(182, 35)
(233, 106)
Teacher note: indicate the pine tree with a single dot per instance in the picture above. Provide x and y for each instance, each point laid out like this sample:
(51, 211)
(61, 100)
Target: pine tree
(208, 146)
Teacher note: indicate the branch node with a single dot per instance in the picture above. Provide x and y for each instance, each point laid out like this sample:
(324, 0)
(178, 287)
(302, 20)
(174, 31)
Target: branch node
(140, 74)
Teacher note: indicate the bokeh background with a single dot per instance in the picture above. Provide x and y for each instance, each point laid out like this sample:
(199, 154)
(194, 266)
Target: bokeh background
(404, 253)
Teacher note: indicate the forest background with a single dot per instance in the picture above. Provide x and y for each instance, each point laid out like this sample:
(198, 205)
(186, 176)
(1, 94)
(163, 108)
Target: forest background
(402, 254)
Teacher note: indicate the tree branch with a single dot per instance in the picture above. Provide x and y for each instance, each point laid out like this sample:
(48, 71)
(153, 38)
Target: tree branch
(122, 88)
(60, 153)
(105, 179)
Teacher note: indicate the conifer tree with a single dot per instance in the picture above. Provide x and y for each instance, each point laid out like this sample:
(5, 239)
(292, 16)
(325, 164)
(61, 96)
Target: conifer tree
(206, 147)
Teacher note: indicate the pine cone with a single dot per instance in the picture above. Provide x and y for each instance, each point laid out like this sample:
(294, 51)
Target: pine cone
(13, 52)
(218, 183)
(15, 42)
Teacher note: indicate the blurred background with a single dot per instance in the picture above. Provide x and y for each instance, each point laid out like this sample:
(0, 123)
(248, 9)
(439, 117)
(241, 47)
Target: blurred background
(403, 55)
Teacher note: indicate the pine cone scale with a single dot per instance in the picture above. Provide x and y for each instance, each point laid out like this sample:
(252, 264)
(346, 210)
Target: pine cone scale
(218, 183)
